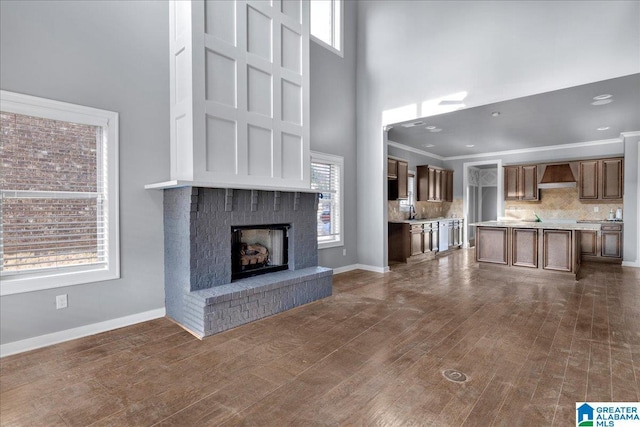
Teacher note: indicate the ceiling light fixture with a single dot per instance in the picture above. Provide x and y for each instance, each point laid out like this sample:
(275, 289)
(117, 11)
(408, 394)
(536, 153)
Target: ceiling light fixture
(470, 145)
(435, 130)
(603, 96)
(602, 102)
(495, 114)
(428, 145)
(603, 128)
(430, 127)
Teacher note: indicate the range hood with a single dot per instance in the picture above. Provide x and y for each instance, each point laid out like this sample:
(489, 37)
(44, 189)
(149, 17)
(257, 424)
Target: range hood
(557, 176)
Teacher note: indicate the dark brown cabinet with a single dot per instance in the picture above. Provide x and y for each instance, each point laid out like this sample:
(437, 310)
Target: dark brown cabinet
(434, 184)
(524, 247)
(589, 243)
(417, 246)
(611, 241)
(521, 183)
(392, 169)
(601, 179)
(397, 179)
(557, 250)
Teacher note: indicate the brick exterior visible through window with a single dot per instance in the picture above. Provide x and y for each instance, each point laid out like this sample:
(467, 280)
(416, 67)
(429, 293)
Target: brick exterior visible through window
(39, 156)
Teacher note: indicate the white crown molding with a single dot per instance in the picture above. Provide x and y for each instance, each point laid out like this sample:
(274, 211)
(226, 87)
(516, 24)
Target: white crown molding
(414, 150)
(538, 149)
(79, 332)
(630, 134)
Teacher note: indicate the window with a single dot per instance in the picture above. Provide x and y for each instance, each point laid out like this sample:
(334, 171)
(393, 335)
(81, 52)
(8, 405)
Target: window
(406, 204)
(58, 194)
(326, 176)
(326, 23)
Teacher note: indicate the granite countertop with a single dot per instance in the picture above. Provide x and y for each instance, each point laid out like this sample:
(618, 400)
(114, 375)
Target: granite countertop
(422, 220)
(543, 224)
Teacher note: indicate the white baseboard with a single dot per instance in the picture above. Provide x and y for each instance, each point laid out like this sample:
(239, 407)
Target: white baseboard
(631, 264)
(345, 268)
(360, 267)
(79, 332)
(373, 268)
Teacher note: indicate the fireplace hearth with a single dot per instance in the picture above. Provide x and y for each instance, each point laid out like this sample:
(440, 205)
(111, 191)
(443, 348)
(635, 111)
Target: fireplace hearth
(218, 244)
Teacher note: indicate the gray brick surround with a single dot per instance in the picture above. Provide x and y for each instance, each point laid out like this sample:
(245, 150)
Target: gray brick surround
(197, 236)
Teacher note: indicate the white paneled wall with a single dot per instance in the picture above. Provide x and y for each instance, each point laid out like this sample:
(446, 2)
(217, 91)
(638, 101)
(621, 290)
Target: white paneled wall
(240, 92)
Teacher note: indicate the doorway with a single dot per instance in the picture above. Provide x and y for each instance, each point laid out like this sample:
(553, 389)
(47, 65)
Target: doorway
(483, 195)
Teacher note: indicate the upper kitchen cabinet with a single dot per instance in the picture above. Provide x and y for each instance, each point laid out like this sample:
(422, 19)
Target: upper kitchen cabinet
(397, 179)
(521, 183)
(434, 184)
(601, 179)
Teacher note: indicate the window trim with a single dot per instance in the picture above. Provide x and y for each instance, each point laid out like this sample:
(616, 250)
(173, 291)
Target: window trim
(340, 49)
(338, 161)
(74, 275)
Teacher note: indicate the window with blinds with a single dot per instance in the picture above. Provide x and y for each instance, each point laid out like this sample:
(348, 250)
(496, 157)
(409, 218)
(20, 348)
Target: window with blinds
(326, 176)
(56, 216)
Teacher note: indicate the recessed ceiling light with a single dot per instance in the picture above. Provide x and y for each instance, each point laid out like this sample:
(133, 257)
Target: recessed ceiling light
(428, 145)
(430, 127)
(603, 128)
(603, 96)
(470, 145)
(601, 102)
(495, 114)
(435, 130)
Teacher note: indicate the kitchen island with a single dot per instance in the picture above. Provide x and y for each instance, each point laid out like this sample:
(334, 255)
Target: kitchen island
(534, 247)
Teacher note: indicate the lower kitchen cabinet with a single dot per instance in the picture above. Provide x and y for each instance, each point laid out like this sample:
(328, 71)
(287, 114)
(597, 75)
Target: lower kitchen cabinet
(602, 246)
(524, 247)
(589, 243)
(611, 241)
(491, 245)
(417, 246)
(557, 250)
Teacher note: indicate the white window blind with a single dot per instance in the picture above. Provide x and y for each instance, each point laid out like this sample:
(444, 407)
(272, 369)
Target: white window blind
(56, 215)
(326, 176)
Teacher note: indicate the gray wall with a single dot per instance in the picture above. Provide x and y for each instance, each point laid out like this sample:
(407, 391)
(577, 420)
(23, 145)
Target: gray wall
(409, 52)
(110, 55)
(489, 199)
(333, 117)
(414, 159)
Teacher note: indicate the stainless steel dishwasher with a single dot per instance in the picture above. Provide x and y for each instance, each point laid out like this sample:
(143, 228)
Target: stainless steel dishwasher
(443, 235)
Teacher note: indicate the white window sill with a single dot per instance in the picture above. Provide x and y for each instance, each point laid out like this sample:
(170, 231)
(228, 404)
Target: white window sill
(333, 244)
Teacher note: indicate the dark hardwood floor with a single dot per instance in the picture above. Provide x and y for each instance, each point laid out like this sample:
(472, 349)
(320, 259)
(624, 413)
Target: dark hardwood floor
(372, 354)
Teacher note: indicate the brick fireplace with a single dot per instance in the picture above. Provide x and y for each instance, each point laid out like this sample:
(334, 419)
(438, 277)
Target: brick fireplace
(201, 226)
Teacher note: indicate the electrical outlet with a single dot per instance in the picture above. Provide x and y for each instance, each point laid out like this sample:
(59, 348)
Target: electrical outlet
(596, 209)
(61, 301)
(344, 252)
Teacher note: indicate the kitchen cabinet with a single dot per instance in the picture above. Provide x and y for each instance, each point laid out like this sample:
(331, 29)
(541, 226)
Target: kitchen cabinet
(417, 244)
(524, 247)
(557, 250)
(434, 184)
(392, 168)
(412, 241)
(521, 183)
(397, 179)
(601, 179)
(589, 243)
(611, 241)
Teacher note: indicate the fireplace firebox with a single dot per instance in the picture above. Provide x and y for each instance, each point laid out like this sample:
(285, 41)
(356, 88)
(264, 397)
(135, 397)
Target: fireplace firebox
(258, 249)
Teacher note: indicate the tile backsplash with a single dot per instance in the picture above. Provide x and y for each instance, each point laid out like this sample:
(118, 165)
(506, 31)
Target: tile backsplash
(426, 210)
(554, 203)
(559, 203)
